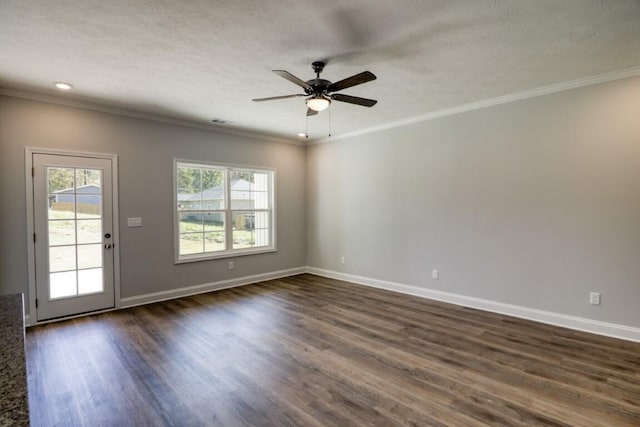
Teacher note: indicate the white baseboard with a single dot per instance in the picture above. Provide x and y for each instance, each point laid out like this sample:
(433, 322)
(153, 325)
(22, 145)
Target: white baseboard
(206, 287)
(572, 322)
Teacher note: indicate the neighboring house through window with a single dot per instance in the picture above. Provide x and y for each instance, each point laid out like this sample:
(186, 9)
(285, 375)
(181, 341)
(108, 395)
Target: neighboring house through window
(222, 211)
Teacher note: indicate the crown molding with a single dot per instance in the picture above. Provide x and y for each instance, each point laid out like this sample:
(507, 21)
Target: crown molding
(517, 96)
(84, 105)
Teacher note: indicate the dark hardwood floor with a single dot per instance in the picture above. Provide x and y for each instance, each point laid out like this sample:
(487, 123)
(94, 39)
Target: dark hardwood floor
(310, 351)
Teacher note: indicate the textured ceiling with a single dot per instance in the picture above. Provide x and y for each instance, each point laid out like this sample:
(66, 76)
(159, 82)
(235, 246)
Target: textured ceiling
(202, 59)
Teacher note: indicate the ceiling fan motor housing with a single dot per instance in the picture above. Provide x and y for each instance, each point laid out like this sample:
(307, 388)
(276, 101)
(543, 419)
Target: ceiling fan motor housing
(318, 86)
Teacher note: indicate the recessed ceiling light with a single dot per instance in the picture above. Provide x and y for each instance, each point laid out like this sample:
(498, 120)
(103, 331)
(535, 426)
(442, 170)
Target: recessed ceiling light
(63, 85)
(302, 135)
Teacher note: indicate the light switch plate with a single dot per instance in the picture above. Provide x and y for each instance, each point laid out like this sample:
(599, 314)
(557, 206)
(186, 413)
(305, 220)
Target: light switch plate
(134, 222)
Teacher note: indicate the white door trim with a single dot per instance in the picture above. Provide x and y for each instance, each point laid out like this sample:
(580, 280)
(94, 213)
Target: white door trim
(31, 260)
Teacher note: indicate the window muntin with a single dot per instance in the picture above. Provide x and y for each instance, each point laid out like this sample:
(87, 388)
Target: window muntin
(222, 211)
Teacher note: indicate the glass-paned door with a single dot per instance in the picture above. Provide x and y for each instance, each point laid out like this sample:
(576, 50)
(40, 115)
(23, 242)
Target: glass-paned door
(73, 234)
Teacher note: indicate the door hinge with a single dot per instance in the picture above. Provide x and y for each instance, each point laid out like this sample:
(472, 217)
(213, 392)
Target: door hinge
(34, 237)
(33, 171)
(36, 302)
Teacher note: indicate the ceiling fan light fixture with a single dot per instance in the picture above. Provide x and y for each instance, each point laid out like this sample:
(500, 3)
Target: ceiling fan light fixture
(63, 85)
(318, 103)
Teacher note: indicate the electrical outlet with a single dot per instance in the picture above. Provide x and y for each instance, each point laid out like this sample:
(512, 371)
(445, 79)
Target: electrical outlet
(594, 298)
(343, 260)
(435, 274)
(231, 265)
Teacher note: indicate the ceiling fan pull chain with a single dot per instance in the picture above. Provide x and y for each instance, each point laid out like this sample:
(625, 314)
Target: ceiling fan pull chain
(329, 123)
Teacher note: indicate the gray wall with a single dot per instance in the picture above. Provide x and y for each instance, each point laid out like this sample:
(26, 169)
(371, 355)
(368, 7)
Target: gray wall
(146, 150)
(533, 203)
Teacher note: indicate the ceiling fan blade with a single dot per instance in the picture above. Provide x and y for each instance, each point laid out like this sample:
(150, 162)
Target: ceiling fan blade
(311, 112)
(354, 100)
(358, 79)
(293, 79)
(271, 98)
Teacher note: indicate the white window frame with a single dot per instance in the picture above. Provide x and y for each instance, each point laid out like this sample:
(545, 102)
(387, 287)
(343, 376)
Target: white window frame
(228, 211)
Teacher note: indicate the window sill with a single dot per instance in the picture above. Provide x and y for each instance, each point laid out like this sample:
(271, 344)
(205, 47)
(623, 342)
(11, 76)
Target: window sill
(227, 254)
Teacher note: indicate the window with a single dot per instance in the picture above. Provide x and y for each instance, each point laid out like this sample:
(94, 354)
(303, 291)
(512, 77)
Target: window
(222, 211)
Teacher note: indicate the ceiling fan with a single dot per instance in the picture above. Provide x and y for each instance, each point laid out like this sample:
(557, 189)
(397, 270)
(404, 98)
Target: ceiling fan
(319, 91)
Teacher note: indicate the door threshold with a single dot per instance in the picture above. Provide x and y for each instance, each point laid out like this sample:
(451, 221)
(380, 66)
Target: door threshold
(74, 316)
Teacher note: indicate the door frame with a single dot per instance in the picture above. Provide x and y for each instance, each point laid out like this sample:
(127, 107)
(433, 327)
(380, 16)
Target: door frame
(31, 259)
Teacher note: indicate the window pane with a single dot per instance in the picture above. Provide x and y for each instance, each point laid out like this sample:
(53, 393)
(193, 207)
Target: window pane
(186, 200)
(213, 221)
(243, 239)
(188, 179)
(249, 199)
(262, 237)
(89, 256)
(188, 182)
(260, 194)
(260, 199)
(62, 232)
(212, 178)
(59, 179)
(90, 281)
(260, 182)
(243, 225)
(191, 243)
(241, 175)
(250, 190)
(62, 284)
(214, 242)
(243, 220)
(89, 230)
(190, 222)
(262, 227)
(89, 206)
(62, 206)
(212, 199)
(215, 196)
(88, 181)
(200, 188)
(62, 258)
(262, 220)
(241, 194)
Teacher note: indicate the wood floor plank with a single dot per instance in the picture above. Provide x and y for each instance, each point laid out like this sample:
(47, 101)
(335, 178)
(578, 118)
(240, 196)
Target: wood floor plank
(311, 351)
